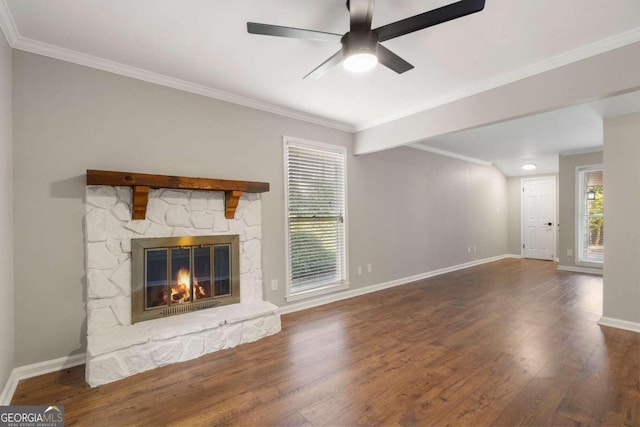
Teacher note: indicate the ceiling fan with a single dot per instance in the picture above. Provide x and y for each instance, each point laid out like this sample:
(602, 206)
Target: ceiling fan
(361, 49)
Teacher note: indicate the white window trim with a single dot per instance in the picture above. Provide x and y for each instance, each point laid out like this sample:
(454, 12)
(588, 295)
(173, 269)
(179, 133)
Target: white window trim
(333, 287)
(577, 219)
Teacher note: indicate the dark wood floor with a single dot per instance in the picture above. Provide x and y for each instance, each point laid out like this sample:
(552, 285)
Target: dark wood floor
(508, 343)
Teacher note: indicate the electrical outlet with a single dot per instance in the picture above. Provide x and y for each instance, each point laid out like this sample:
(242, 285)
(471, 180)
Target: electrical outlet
(569, 252)
(274, 285)
(468, 249)
(369, 268)
(474, 248)
(359, 270)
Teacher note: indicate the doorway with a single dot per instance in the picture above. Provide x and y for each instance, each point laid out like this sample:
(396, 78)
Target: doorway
(539, 222)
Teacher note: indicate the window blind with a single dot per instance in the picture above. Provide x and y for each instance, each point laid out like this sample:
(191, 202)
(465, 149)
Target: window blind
(315, 180)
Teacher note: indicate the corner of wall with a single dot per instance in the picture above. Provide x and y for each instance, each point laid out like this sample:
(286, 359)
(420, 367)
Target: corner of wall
(7, 286)
(621, 290)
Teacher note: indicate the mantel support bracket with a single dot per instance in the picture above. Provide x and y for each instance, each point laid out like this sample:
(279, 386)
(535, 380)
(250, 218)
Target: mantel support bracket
(231, 199)
(140, 199)
(141, 184)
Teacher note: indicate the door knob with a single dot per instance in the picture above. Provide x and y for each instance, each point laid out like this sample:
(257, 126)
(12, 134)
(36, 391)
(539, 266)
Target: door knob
(549, 223)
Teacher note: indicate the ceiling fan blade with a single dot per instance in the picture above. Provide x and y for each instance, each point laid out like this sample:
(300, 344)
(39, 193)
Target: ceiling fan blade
(294, 33)
(429, 19)
(321, 69)
(392, 61)
(361, 13)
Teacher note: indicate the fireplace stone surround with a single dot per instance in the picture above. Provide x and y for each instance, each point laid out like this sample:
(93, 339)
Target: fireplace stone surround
(116, 347)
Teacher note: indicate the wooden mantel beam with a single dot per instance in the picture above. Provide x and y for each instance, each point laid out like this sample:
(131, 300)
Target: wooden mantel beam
(141, 184)
(129, 179)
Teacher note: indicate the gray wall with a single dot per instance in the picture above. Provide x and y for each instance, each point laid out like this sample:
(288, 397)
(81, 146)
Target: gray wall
(409, 211)
(567, 235)
(621, 296)
(413, 212)
(6, 217)
(514, 238)
(514, 212)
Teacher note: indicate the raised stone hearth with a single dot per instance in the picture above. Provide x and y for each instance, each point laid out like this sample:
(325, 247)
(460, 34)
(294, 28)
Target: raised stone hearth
(117, 348)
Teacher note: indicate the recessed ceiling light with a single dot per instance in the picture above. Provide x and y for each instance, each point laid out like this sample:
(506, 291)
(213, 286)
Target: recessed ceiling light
(529, 166)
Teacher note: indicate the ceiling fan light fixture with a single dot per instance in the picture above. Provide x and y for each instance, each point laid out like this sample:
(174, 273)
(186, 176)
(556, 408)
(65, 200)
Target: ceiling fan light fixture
(529, 166)
(359, 62)
(360, 50)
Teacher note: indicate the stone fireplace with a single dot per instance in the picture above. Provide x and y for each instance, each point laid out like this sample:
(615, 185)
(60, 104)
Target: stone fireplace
(188, 237)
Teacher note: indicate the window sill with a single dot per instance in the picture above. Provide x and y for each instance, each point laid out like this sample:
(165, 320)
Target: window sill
(316, 292)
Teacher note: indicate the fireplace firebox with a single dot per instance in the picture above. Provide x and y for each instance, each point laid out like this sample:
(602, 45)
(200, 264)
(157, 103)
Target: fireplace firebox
(174, 275)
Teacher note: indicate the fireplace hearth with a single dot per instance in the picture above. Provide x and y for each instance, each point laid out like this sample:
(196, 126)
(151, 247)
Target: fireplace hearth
(175, 275)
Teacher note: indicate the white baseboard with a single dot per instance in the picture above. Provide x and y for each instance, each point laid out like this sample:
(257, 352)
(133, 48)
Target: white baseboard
(620, 324)
(291, 308)
(587, 270)
(513, 256)
(41, 368)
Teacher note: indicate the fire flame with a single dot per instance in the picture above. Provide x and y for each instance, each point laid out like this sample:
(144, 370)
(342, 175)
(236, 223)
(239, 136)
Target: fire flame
(199, 291)
(180, 292)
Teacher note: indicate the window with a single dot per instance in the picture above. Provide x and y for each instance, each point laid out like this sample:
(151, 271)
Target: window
(316, 217)
(590, 215)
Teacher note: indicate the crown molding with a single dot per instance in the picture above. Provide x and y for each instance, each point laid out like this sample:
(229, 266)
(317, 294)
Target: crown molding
(585, 150)
(451, 154)
(91, 61)
(16, 41)
(7, 24)
(566, 58)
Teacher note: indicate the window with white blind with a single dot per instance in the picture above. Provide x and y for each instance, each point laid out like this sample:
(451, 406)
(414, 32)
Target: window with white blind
(590, 215)
(315, 185)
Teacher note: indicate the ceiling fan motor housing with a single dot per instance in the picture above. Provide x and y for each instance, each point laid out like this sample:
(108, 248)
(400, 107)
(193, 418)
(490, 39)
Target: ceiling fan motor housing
(360, 42)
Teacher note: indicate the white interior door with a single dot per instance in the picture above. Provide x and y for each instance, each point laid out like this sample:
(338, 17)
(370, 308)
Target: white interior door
(539, 218)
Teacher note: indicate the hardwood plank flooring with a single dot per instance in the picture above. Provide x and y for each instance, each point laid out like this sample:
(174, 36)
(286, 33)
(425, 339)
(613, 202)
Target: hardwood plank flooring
(513, 342)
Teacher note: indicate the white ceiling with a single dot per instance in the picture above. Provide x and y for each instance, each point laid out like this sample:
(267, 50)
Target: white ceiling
(537, 139)
(203, 46)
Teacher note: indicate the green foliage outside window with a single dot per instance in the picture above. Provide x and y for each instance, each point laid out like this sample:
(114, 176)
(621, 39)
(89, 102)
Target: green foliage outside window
(596, 216)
